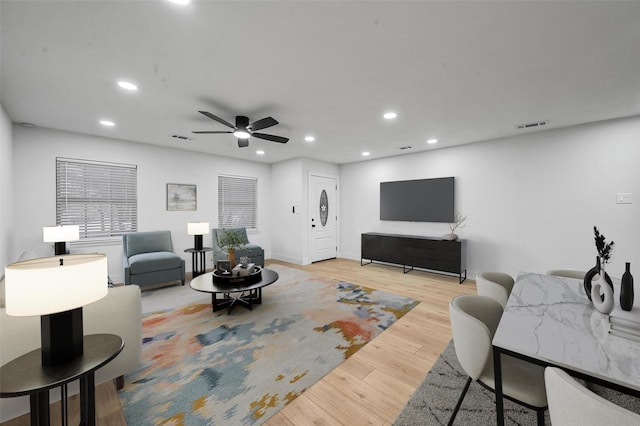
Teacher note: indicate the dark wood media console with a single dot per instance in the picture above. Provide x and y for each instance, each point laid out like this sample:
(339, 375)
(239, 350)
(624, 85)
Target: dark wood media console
(410, 251)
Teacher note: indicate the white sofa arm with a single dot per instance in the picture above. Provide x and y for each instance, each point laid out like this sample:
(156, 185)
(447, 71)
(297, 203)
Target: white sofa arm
(119, 313)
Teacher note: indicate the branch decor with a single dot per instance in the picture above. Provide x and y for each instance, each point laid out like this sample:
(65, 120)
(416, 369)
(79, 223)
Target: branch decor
(458, 223)
(604, 250)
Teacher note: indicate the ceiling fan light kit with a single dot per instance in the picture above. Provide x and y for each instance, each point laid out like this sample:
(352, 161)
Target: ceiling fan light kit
(241, 134)
(243, 130)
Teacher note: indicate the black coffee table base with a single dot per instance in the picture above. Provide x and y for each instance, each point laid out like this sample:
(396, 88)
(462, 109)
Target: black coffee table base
(246, 298)
(235, 292)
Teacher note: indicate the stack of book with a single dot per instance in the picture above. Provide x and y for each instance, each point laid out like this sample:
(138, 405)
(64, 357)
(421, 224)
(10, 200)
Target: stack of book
(625, 324)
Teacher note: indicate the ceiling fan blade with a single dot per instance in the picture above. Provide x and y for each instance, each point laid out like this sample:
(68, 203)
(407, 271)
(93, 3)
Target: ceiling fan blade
(211, 131)
(272, 138)
(243, 143)
(262, 124)
(218, 119)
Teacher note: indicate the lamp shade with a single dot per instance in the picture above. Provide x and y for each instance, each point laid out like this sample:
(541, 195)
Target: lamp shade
(198, 228)
(56, 234)
(55, 284)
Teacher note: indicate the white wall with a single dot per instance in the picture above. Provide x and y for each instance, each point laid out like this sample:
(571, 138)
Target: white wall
(290, 186)
(6, 191)
(531, 201)
(35, 151)
(287, 226)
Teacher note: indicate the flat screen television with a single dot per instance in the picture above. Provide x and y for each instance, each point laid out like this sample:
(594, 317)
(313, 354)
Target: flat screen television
(422, 200)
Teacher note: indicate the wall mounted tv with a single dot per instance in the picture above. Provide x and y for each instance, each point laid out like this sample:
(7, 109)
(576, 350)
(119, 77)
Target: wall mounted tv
(422, 200)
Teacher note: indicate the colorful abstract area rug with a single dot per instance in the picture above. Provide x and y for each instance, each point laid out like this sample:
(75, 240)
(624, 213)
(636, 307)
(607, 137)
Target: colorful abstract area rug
(201, 367)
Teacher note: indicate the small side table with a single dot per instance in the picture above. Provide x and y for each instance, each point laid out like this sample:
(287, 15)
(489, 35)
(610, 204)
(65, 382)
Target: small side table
(198, 266)
(26, 375)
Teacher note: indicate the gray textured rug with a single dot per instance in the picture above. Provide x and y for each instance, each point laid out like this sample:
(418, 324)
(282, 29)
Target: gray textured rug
(434, 400)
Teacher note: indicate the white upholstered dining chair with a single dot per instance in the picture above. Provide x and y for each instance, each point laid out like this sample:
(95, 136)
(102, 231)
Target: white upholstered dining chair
(474, 320)
(496, 285)
(567, 273)
(571, 404)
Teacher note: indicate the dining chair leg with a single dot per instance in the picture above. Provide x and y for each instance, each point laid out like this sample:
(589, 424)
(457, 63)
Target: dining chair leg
(455, 410)
(540, 417)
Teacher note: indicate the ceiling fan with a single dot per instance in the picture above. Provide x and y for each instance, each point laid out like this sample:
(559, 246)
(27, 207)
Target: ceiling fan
(243, 130)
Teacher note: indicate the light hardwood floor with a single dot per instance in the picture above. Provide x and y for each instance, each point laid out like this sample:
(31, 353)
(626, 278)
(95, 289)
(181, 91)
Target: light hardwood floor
(372, 386)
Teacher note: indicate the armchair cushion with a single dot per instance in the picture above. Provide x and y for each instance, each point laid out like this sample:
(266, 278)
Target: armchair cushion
(151, 262)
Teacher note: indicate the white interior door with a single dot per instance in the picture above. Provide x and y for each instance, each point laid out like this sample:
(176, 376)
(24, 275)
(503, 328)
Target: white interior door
(323, 216)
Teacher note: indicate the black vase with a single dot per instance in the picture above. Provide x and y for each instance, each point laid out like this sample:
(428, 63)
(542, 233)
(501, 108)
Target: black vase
(588, 277)
(626, 289)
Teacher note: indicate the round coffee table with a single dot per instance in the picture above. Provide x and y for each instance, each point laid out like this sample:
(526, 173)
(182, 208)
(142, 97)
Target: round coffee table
(249, 293)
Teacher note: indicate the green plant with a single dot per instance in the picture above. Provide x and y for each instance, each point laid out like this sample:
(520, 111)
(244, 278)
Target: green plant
(604, 250)
(231, 240)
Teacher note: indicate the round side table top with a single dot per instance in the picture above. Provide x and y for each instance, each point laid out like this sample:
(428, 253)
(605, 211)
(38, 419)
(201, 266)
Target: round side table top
(26, 374)
(195, 250)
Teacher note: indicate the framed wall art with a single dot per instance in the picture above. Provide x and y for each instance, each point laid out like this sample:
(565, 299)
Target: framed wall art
(181, 197)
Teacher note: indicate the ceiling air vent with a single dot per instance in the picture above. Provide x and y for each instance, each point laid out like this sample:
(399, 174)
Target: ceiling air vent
(531, 125)
(405, 147)
(184, 138)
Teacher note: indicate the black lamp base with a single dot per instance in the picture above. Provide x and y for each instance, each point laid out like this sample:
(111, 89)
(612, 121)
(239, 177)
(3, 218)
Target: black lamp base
(61, 337)
(60, 248)
(197, 242)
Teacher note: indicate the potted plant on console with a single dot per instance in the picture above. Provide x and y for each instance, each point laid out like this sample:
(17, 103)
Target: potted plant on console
(458, 222)
(231, 240)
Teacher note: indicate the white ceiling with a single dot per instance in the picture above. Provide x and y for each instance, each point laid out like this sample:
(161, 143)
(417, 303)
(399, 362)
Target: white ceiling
(460, 72)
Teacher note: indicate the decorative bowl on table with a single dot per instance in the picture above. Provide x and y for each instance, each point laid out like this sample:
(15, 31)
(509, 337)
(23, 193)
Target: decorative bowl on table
(231, 278)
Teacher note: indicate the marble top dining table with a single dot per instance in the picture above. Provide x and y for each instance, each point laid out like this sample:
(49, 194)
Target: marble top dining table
(549, 320)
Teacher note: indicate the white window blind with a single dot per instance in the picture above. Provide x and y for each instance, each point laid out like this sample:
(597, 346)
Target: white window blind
(99, 197)
(237, 202)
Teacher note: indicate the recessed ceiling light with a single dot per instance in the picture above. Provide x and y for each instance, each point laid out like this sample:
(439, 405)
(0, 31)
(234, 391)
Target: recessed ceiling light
(390, 115)
(260, 152)
(309, 138)
(431, 141)
(127, 85)
(366, 153)
(107, 123)
(180, 2)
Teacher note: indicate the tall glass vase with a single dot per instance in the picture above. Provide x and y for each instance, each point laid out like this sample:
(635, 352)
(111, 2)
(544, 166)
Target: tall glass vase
(626, 289)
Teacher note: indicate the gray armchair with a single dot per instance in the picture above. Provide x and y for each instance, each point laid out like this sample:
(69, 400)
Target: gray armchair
(148, 258)
(252, 251)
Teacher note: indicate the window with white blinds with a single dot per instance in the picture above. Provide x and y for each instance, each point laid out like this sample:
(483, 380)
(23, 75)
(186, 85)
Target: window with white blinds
(237, 202)
(99, 197)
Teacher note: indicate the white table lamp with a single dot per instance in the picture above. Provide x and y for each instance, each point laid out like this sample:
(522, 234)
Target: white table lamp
(60, 235)
(56, 288)
(198, 229)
